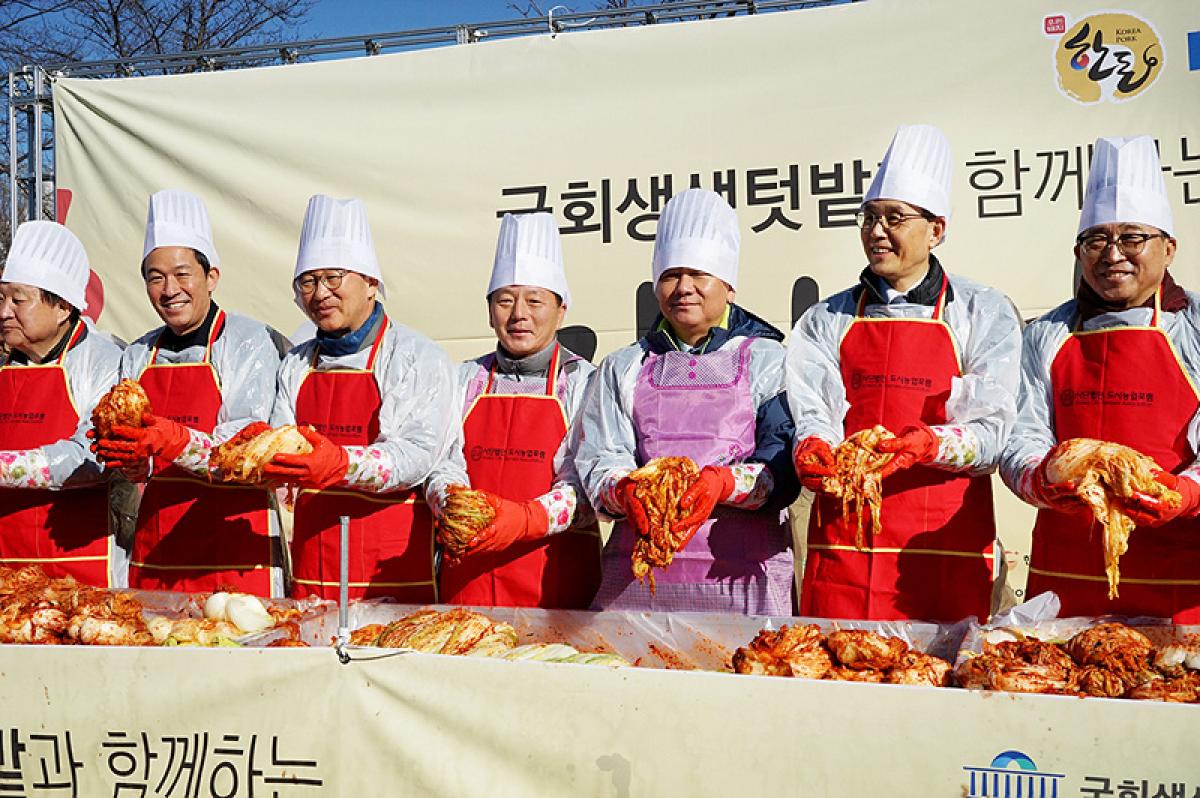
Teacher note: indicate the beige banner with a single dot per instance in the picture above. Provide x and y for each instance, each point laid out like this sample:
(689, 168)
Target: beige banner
(785, 113)
(295, 723)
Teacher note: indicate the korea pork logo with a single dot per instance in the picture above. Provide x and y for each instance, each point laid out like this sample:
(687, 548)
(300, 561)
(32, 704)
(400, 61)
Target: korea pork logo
(1012, 774)
(1107, 57)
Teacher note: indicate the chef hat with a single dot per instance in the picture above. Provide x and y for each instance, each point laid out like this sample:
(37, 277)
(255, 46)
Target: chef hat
(917, 169)
(1126, 185)
(47, 255)
(528, 252)
(178, 218)
(698, 230)
(336, 235)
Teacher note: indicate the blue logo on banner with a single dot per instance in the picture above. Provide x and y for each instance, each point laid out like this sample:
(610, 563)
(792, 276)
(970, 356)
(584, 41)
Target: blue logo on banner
(1194, 50)
(1012, 775)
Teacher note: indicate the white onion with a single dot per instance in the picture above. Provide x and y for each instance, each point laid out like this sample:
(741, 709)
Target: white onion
(214, 608)
(248, 613)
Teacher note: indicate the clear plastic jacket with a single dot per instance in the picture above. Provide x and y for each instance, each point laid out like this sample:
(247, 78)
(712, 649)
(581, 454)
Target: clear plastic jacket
(1033, 435)
(574, 377)
(92, 366)
(418, 414)
(605, 442)
(987, 335)
(245, 359)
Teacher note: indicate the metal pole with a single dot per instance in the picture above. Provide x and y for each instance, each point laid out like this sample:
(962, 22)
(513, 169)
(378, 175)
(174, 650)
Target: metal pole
(37, 187)
(13, 204)
(343, 632)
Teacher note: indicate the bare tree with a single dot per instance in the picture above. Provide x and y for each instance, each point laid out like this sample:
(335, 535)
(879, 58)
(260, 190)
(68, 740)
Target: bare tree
(534, 8)
(131, 28)
(65, 31)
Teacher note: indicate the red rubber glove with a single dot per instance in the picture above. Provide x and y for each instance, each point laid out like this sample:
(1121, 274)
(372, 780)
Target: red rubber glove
(129, 447)
(913, 446)
(1145, 510)
(814, 461)
(515, 521)
(714, 486)
(321, 468)
(1058, 496)
(635, 511)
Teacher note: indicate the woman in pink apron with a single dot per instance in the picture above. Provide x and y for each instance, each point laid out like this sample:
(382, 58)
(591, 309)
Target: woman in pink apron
(543, 550)
(53, 495)
(705, 383)
(380, 400)
(1119, 363)
(207, 374)
(934, 359)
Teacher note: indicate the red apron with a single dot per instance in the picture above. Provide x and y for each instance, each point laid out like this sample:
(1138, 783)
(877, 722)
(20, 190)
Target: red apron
(1125, 385)
(194, 536)
(391, 534)
(517, 437)
(932, 560)
(63, 531)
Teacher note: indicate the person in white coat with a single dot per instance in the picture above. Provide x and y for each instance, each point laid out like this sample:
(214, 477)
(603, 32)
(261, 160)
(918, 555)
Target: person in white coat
(53, 492)
(208, 373)
(706, 383)
(932, 357)
(1119, 362)
(380, 397)
(518, 403)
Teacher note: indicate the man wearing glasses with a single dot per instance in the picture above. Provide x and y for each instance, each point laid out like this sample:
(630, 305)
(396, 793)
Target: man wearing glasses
(380, 398)
(933, 358)
(1117, 363)
(208, 374)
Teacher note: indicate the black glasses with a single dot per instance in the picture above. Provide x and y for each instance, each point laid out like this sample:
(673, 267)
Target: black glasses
(867, 219)
(306, 284)
(1130, 244)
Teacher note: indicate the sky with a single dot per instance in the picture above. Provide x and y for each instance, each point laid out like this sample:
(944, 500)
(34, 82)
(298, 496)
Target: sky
(330, 18)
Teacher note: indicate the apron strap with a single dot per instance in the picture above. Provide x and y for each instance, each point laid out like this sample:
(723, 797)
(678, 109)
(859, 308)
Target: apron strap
(217, 326)
(552, 374)
(74, 339)
(375, 346)
(861, 307)
(941, 300)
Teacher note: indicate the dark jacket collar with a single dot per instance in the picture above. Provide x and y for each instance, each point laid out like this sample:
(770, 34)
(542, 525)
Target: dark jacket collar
(170, 342)
(349, 343)
(20, 357)
(742, 323)
(924, 293)
(1174, 299)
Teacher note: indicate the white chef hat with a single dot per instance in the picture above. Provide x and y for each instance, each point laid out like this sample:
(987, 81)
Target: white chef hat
(529, 252)
(917, 168)
(47, 255)
(698, 230)
(1126, 185)
(336, 235)
(178, 218)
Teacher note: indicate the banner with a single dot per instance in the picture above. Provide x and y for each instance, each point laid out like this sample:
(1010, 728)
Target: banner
(291, 723)
(786, 114)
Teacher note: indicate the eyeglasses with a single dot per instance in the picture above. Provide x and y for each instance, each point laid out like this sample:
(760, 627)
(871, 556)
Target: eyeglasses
(1130, 244)
(866, 219)
(306, 284)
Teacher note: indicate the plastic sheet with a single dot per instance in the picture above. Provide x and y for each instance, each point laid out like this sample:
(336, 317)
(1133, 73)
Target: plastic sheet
(677, 641)
(1160, 631)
